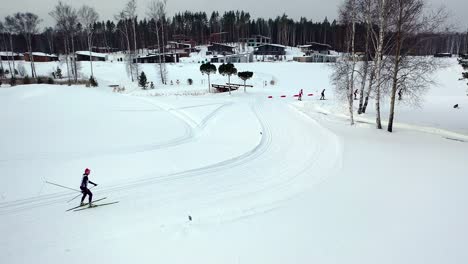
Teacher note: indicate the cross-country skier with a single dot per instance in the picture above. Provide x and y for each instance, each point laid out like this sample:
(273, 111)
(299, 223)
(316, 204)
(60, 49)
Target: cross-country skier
(84, 187)
(323, 95)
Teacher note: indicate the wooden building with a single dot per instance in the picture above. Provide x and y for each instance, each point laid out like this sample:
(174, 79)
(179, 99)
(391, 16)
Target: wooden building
(154, 58)
(270, 49)
(8, 55)
(220, 49)
(317, 57)
(315, 47)
(183, 49)
(256, 40)
(40, 57)
(85, 56)
(234, 58)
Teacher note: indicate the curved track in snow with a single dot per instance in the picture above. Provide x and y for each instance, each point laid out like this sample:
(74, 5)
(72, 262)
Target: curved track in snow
(284, 163)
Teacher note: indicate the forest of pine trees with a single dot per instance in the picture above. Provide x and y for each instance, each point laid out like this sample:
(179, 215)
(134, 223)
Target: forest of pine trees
(238, 24)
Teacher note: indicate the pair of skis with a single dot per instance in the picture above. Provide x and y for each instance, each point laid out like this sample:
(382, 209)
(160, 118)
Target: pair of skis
(93, 205)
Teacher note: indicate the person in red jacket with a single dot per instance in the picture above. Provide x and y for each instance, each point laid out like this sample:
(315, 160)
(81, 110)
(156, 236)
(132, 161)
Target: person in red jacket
(300, 95)
(84, 187)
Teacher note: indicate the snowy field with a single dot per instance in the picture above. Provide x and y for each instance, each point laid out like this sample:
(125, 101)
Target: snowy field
(265, 180)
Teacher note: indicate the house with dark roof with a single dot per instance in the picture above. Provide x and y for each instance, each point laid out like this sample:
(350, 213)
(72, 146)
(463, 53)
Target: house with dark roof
(86, 56)
(270, 49)
(315, 47)
(155, 57)
(8, 55)
(256, 40)
(234, 58)
(40, 57)
(221, 49)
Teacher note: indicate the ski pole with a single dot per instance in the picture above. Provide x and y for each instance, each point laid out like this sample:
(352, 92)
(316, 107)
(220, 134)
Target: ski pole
(62, 186)
(78, 195)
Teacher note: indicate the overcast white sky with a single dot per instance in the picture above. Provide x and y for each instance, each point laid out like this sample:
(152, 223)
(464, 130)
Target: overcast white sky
(316, 10)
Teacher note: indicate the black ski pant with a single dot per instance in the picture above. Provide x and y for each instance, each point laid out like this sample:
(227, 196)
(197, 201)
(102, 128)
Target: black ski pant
(85, 192)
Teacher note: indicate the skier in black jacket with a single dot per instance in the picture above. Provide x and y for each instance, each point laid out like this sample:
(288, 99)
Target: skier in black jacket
(84, 187)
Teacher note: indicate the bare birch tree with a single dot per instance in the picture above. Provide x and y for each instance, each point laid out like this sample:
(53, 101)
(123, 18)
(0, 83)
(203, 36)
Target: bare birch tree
(27, 24)
(382, 10)
(88, 16)
(344, 76)
(130, 13)
(156, 11)
(411, 73)
(128, 57)
(9, 30)
(66, 19)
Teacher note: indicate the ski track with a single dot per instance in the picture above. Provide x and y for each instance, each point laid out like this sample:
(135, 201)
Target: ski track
(191, 131)
(284, 176)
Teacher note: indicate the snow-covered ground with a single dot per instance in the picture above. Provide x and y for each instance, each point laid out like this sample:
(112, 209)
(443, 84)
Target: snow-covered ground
(265, 180)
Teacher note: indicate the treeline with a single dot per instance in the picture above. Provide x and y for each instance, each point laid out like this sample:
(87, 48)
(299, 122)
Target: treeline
(237, 25)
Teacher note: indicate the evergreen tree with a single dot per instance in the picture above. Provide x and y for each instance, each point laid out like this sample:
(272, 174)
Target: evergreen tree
(58, 73)
(142, 82)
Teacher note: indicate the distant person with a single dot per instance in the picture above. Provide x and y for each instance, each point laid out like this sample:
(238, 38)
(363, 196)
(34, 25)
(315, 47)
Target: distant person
(300, 95)
(84, 187)
(322, 97)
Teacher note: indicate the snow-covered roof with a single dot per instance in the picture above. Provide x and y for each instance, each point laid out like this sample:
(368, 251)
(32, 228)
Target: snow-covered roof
(9, 53)
(93, 54)
(221, 44)
(274, 45)
(150, 55)
(42, 54)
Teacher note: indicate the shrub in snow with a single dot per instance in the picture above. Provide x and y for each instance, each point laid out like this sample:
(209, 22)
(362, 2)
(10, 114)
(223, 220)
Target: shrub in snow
(58, 73)
(1, 83)
(142, 82)
(40, 80)
(2, 72)
(12, 81)
(26, 80)
(465, 74)
(272, 82)
(93, 82)
(189, 81)
(50, 80)
(152, 85)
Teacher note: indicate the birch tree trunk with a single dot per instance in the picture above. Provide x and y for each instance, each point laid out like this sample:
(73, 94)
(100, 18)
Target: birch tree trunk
(67, 52)
(353, 54)
(379, 62)
(395, 68)
(369, 89)
(12, 72)
(90, 36)
(135, 44)
(75, 68)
